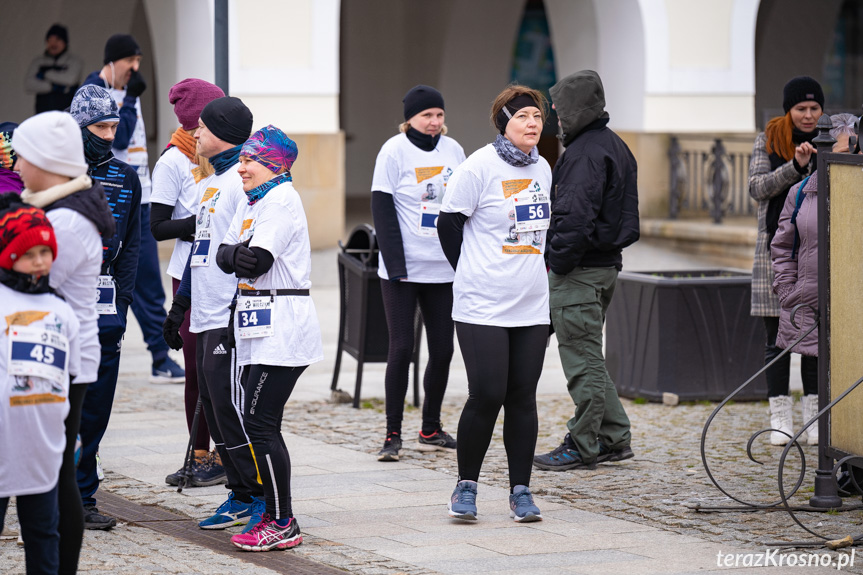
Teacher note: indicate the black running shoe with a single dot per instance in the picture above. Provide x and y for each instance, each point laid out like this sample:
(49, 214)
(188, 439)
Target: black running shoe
(95, 520)
(208, 472)
(439, 440)
(562, 458)
(606, 454)
(390, 452)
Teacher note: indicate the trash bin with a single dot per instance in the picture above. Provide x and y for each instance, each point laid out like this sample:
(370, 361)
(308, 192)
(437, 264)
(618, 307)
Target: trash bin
(684, 332)
(363, 329)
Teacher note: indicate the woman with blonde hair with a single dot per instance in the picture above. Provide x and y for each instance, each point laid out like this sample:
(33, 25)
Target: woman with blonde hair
(410, 179)
(492, 228)
(782, 156)
(173, 205)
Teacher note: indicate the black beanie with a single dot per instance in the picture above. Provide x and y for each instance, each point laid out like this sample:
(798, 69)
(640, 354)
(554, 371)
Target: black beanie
(421, 98)
(59, 31)
(120, 46)
(801, 89)
(228, 119)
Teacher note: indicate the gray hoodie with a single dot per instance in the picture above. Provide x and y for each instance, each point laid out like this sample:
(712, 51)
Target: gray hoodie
(579, 100)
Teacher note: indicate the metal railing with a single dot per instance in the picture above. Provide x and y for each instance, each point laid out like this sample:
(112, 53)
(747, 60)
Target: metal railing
(709, 175)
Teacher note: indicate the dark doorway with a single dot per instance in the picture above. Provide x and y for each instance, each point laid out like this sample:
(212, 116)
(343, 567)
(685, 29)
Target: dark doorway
(533, 65)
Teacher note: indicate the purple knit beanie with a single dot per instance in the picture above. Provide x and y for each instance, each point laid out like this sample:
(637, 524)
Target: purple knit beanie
(189, 97)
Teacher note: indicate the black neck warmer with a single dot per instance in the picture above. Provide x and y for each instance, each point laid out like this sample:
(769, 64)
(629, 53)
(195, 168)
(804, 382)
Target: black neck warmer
(424, 142)
(224, 160)
(24, 283)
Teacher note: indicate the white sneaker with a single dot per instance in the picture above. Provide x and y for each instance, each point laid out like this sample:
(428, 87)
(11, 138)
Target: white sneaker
(780, 418)
(810, 408)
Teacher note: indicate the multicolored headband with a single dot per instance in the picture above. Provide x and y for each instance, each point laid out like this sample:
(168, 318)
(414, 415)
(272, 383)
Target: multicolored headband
(271, 148)
(7, 154)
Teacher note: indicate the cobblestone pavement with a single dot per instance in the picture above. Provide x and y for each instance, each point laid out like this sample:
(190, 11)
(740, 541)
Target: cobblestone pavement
(656, 488)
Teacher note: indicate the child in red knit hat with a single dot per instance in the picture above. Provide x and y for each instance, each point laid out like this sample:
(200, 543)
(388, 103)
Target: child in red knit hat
(38, 348)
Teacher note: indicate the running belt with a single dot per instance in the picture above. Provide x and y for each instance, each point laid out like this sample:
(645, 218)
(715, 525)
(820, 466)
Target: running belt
(273, 292)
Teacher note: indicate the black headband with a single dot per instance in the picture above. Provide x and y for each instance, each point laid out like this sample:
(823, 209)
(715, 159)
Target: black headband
(509, 110)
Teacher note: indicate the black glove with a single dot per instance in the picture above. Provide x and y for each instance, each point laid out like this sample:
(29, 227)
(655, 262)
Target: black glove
(244, 261)
(136, 85)
(171, 327)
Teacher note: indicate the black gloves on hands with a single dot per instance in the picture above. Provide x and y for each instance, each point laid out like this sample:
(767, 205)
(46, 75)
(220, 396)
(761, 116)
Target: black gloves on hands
(136, 85)
(171, 327)
(244, 261)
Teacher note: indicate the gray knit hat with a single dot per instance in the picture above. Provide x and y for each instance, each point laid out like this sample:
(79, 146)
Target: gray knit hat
(93, 104)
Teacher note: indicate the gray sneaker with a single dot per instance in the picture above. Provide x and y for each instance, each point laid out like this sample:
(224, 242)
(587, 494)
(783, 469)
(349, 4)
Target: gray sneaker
(462, 504)
(521, 506)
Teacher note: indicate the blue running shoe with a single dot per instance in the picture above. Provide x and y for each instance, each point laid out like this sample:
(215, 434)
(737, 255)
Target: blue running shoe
(229, 513)
(259, 507)
(462, 504)
(521, 506)
(562, 458)
(167, 371)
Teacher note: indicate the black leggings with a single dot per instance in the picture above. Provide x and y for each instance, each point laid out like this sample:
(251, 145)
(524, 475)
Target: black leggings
(400, 301)
(503, 368)
(267, 389)
(222, 401)
(71, 526)
(778, 375)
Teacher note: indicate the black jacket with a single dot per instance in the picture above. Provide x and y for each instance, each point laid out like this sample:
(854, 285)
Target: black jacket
(594, 183)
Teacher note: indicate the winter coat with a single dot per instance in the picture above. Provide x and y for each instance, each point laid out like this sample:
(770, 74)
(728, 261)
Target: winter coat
(54, 80)
(765, 183)
(594, 195)
(796, 278)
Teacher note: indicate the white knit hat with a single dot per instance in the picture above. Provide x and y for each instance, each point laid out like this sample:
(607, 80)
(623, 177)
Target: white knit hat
(51, 141)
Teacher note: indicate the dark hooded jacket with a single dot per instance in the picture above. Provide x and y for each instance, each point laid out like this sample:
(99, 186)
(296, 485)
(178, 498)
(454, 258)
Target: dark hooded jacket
(594, 183)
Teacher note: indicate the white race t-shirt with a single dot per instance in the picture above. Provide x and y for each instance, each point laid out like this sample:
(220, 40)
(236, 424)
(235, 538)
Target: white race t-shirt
(501, 278)
(219, 199)
(43, 331)
(74, 275)
(277, 223)
(417, 181)
(174, 184)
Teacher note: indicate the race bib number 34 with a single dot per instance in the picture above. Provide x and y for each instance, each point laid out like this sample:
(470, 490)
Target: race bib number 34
(38, 353)
(532, 211)
(254, 317)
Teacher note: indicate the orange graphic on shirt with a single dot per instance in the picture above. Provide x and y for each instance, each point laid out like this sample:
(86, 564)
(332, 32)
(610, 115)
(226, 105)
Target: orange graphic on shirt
(36, 399)
(511, 187)
(209, 193)
(198, 174)
(426, 173)
(246, 225)
(520, 250)
(24, 318)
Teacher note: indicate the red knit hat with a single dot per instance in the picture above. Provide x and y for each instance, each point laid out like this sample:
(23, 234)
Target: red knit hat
(189, 97)
(21, 228)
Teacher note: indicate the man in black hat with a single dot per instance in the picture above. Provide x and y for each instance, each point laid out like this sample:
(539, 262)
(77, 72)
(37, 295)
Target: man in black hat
(55, 75)
(121, 76)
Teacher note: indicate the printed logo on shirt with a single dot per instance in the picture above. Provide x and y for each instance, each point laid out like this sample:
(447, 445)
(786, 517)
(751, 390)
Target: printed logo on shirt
(512, 187)
(521, 243)
(426, 173)
(24, 318)
(220, 350)
(208, 193)
(198, 174)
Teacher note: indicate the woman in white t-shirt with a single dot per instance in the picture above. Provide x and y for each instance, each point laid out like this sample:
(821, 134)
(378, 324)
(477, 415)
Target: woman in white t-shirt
(173, 204)
(275, 325)
(409, 183)
(492, 228)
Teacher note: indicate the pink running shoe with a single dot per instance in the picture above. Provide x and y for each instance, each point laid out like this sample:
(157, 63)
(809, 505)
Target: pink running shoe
(268, 535)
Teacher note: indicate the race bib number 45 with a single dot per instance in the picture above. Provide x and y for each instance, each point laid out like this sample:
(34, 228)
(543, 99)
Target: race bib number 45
(532, 211)
(254, 317)
(38, 353)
